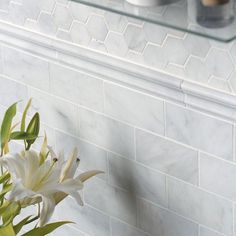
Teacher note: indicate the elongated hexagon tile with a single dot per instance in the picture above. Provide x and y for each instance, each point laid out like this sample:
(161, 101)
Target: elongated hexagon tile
(31, 24)
(4, 5)
(64, 35)
(197, 46)
(175, 50)
(116, 44)
(46, 24)
(97, 27)
(154, 56)
(79, 12)
(64, 2)
(47, 5)
(176, 70)
(62, 17)
(115, 22)
(195, 69)
(232, 81)
(219, 84)
(135, 38)
(233, 51)
(135, 57)
(155, 34)
(97, 45)
(16, 14)
(31, 9)
(79, 34)
(219, 63)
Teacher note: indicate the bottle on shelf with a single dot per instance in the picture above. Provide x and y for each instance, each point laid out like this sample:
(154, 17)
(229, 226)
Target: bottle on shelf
(214, 13)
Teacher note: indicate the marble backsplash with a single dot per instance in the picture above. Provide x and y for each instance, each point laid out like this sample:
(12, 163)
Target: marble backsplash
(168, 151)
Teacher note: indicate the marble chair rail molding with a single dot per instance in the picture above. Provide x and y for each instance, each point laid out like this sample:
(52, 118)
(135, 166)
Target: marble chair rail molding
(167, 144)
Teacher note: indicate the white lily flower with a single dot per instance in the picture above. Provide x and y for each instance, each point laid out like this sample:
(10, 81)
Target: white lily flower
(48, 182)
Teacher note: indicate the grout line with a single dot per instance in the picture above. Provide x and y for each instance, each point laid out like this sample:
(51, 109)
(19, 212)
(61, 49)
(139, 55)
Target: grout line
(234, 143)
(165, 118)
(135, 145)
(199, 171)
(110, 226)
(234, 208)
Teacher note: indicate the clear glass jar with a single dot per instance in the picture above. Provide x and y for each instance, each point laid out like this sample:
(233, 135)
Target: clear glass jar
(214, 13)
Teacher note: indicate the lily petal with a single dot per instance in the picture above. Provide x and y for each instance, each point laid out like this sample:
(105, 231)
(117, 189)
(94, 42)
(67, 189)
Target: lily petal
(19, 192)
(47, 209)
(88, 174)
(77, 197)
(68, 170)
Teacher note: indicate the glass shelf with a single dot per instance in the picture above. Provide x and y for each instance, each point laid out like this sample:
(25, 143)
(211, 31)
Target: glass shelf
(178, 16)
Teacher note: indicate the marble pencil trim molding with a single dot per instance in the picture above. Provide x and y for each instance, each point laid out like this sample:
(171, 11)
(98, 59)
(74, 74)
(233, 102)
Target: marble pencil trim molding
(99, 65)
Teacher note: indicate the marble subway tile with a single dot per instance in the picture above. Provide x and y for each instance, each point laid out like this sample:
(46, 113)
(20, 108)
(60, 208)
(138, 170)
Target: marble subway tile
(107, 133)
(160, 222)
(54, 112)
(28, 69)
(118, 228)
(12, 92)
(76, 86)
(199, 131)
(86, 219)
(218, 176)
(135, 108)
(111, 200)
(205, 208)
(138, 180)
(91, 156)
(167, 156)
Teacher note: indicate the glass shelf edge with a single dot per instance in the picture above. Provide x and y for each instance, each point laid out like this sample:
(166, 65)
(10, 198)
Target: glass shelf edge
(206, 35)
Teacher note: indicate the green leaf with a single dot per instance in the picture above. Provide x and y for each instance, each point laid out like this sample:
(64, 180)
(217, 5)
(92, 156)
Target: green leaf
(20, 135)
(17, 228)
(7, 230)
(47, 229)
(33, 129)
(22, 128)
(3, 208)
(6, 125)
(6, 189)
(5, 177)
(13, 210)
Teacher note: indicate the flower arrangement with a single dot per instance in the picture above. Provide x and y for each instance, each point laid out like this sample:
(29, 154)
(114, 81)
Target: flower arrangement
(30, 178)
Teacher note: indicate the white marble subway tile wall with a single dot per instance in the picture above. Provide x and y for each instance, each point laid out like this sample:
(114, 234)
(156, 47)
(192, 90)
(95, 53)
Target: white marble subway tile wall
(169, 167)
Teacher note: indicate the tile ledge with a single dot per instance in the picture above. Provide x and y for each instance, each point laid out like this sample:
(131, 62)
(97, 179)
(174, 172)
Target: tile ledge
(148, 80)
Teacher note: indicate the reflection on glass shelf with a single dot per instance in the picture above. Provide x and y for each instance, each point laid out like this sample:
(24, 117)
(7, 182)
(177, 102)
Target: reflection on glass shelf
(179, 16)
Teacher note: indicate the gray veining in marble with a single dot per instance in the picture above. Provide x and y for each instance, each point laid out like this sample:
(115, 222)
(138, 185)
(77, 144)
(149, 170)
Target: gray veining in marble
(196, 129)
(135, 108)
(205, 208)
(167, 156)
(106, 132)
